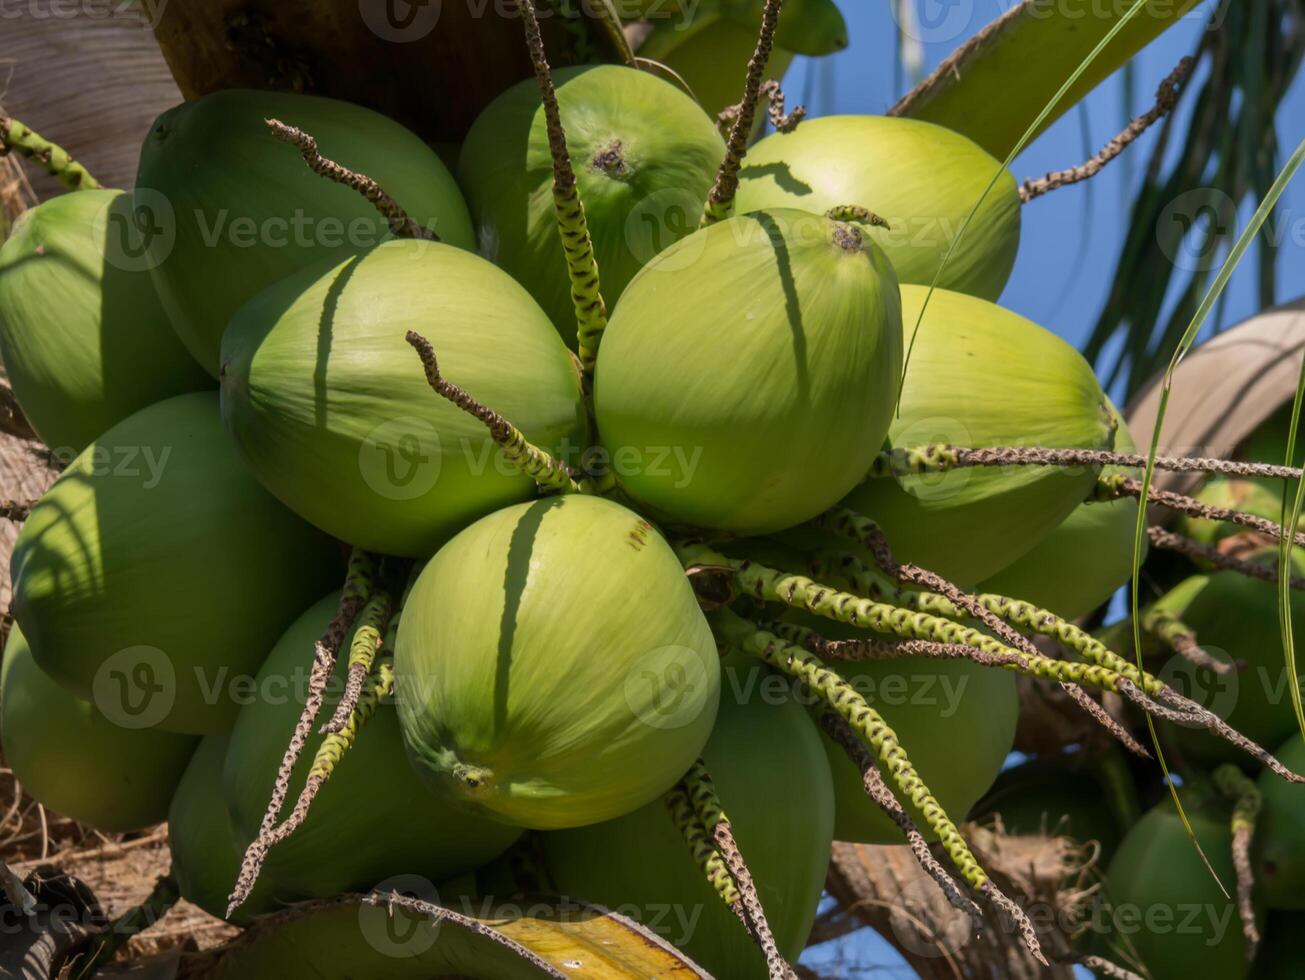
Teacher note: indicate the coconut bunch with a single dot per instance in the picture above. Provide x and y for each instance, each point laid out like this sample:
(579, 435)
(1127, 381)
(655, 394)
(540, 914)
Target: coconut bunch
(625, 512)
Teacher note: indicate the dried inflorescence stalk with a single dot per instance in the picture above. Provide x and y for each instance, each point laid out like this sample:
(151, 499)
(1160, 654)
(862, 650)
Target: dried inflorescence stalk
(774, 95)
(1163, 538)
(16, 510)
(400, 223)
(56, 161)
(1247, 801)
(1182, 640)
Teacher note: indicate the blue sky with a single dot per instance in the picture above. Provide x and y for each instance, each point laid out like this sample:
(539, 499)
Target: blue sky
(1067, 253)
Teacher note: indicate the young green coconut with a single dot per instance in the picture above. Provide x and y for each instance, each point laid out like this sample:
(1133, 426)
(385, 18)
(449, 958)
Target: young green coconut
(1282, 957)
(204, 842)
(922, 179)
(1238, 671)
(553, 668)
(373, 819)
(980, 376)
(1280, 834)
(746, 379)
(1085, 558)
(226, 210)
(320, 394)
(765, 756)
(155, 573)
(84, 340)
(645, 156)
(1162, 905)
(75, 761)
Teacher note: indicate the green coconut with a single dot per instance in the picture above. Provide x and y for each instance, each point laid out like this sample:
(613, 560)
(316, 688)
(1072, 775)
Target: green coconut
(206, 849)
(1162, 905)
(84, 340)
(955, 719)
(373, 819)
(1282, 954)
(1060, 796)
(1085, 559)
(980, 376)
(553, 667)
(644, 156)
(1235, 618)
(73, 760)
(1280, 833)
(765, 759)
(155, 574)
(331, 411)
(234, 210)
(747, 377)
(921, 178)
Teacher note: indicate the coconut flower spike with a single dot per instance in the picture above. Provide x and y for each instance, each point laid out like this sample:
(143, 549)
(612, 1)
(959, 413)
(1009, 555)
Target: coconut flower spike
(550, 474)
(1247, 800)
(572, 226)
(379, 686)
(720, 199)
(400, 222)
(54, 159)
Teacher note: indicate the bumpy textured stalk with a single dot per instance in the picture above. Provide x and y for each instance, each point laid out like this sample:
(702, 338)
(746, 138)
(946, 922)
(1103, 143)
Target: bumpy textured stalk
(704, 852)
(720, 200)
(1181, 638)
(853, 212)
(707, 806)
(1163, 538)
(572, 226)
(379, 686)
(773, 94)
(869, 725)
(1121, 485)
(368, 643)
(54, 159)
(357, 589)
(551, 475)
(940, 457)
(875, 788)
(400, 223)
(1247, 800)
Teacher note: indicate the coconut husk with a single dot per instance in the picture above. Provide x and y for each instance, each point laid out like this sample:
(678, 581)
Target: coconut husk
(1053, 878)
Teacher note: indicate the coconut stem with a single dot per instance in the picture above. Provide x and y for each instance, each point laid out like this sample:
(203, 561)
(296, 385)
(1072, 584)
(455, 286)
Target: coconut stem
(550, 474)
(1120, 485)
(155, 906)
(720, 200)
(1166, 97)
(858, 528)
(400, 223)
(374, 637)
(1181, 639)
(853, 212)
(704, 852)
(1162, 538)
(572, 226)
(380, 685)
(940, 457)
(773, 94)
(358, 585)
(1247, 801)
(875, 788)
(56, 161)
